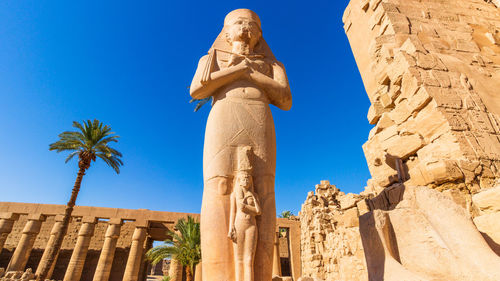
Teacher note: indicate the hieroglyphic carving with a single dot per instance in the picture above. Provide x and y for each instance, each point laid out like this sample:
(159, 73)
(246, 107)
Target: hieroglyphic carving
(430, 69)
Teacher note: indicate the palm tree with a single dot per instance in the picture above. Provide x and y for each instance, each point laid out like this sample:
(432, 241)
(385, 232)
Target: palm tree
(286, 214)
(90, 141)
(184, 246)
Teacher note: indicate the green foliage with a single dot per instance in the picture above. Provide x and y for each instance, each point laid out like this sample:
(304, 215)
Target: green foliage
(91, 141)
(200, 103)
(183, 245)
(166, 278)
(286, 214)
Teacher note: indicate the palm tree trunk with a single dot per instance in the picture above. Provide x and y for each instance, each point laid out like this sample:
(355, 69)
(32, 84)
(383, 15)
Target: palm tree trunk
(64, 228)
(189, 273)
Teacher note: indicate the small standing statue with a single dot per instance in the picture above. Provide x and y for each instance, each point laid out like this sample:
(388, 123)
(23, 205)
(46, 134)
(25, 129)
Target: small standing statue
(243, 226)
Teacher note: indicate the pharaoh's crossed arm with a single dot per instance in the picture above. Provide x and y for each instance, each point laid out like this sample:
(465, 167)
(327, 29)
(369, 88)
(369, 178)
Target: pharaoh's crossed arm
(206, 83)
(203, 87)
(276, 88)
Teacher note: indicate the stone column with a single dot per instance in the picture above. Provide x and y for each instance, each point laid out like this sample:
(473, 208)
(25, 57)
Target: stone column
(105, 262)
(75, 265)
(145, 263)
(276, 255)
(25, 245)
(7, 220)
(175, 271)
(135, 254)
(50, 244)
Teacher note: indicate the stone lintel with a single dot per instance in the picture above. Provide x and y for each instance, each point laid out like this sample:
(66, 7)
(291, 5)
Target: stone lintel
(141, 223)
(115, 221)
(36, 217)
(9, 216)
(89, 219)
(59, 218)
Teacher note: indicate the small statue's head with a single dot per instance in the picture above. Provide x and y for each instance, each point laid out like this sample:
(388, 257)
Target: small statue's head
(243, 25)
(244, 180)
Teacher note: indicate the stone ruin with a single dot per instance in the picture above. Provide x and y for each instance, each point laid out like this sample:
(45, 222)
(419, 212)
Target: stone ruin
(330, 243)
(104, 243)
(414, 233)
(101, 243)
(431, 70)
(432, 208)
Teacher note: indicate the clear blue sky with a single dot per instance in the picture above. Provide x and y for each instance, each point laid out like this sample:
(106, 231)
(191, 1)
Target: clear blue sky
(129, 64)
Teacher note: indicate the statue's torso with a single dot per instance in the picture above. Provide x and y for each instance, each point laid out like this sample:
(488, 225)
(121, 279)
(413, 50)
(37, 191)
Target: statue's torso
(243, 88)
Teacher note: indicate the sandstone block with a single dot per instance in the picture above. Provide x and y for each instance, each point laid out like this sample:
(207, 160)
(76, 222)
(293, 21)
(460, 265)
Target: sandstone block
(489, 227)
(442, 77)
(488, 201)
(385, 99)
(348, 201)
(350, 218)
(457, 196)
(384, 122)
(443, 171)
(430, 212)
(362, 207)
(447, 98)
(403, 146)
(429, 122)
(418, 100)
(401, 112)
(375, 111)
(410, 83)
(444, 147)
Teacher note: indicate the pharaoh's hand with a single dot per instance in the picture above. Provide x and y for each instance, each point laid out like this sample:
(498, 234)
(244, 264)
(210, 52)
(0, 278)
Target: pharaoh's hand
(232, 234)
(247, 64)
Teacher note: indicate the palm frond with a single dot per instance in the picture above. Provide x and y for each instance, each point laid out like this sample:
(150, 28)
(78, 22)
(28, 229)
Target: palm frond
(159, 253)
(71, 155)
(185, 241)
(200, 103)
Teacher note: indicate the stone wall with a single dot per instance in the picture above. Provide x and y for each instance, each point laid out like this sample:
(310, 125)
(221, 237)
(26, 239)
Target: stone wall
(431, 70)
(331, 244)
(135, 228)
(96, 242)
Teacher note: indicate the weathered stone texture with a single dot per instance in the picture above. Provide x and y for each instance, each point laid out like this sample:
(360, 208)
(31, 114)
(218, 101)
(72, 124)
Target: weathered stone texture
(331, 244)
(129, 219)
(135, 234)
(418, 233)
(432, 73)
(486, 207)
(431, 70)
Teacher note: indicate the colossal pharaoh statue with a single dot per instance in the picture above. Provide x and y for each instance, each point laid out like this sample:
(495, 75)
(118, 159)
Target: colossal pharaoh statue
(239, 158)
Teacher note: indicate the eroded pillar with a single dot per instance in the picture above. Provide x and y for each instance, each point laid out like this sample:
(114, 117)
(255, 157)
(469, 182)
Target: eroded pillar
(135, 254)
(276, 256)
(25, 245)
(7, 220)
(50, 244)
(105, 262)
(75, 265)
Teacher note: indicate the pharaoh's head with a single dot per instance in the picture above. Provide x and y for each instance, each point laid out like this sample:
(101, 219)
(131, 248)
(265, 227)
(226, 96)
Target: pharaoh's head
(244, 180)
(243, 25)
